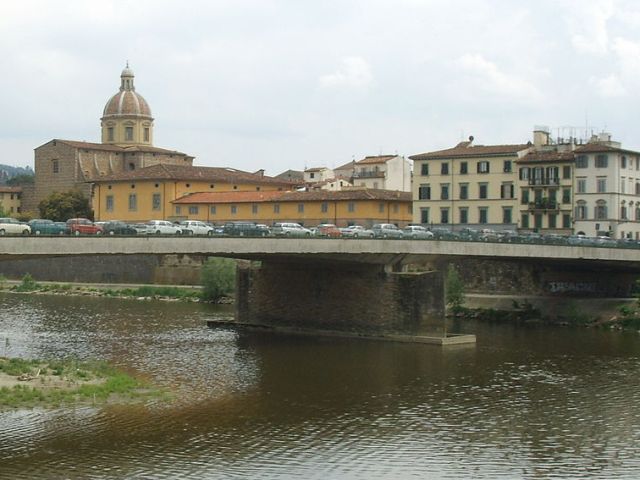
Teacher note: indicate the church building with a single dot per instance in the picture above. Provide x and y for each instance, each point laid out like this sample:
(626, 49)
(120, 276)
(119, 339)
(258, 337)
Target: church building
(127, 146)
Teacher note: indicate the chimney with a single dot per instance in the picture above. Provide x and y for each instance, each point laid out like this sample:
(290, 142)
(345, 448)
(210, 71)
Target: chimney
(540, 136)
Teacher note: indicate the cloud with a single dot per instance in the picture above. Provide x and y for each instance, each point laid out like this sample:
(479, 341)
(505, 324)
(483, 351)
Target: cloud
(488, 77)
(354, 72)
(609, 86)
(588, 25)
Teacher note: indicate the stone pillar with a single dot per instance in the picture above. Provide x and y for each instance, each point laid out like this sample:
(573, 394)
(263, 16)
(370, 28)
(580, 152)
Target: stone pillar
(340, 297)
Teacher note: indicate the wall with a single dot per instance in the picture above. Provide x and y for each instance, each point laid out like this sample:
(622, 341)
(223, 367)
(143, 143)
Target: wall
(340, 297)
(46, 180)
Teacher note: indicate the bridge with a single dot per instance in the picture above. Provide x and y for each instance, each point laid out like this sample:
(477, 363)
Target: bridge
(371, 286)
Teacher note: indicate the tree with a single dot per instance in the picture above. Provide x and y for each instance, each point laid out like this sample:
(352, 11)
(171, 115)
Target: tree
(60, 206)
(454, 290)
(22, 179)
(218, 278)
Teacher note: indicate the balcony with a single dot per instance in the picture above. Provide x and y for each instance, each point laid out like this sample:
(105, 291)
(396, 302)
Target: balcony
(369, 174)
(544, 181)
(545, 204)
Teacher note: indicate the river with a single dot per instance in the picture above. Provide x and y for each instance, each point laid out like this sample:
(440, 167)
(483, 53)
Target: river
(525, 402)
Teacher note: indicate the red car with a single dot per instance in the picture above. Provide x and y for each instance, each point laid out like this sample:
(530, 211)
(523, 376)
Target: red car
(328, 230)
(83, 226)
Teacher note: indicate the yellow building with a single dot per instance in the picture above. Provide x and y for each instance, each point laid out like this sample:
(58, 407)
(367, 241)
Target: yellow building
(467, 186)
(545, 185)
(346, 207)
(10, 200)
(147, 193)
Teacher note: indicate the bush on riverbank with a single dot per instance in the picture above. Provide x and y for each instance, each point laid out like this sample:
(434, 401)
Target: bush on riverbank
(218, 279)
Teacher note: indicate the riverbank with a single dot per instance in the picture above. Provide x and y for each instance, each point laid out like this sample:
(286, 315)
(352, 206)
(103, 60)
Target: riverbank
(39, 383)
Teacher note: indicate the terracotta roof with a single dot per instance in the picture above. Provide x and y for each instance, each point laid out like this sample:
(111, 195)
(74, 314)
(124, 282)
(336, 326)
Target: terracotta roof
(375, 159)
(127, 103)
(292, 175)
(187, 172)
(544, 157)
(309, 196)
(601, 147)
(118, 148)
(5, 189)
(463, 150)
(349, 165)
(316, 169)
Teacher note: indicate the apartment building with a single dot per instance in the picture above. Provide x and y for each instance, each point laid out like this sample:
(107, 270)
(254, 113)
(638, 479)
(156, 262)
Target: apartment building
(468, 186)
(387, 172)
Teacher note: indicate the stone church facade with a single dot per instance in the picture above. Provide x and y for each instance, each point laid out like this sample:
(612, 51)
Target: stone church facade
(127, 145)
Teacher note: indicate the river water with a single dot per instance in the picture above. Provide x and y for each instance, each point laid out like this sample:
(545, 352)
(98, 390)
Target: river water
(525, 402)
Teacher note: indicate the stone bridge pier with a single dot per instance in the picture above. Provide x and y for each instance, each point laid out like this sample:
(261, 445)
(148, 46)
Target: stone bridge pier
(341, 297)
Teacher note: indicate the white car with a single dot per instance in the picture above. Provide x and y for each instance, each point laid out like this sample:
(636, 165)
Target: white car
(416, 232)
(290, 230)
(356, 231)
(163, 227)
(195, 227)
(11, 226)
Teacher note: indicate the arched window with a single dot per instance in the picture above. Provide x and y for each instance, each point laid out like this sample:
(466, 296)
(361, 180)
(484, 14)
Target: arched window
(581, 210)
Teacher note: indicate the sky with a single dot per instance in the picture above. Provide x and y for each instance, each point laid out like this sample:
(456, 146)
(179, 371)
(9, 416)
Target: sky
(292, 84)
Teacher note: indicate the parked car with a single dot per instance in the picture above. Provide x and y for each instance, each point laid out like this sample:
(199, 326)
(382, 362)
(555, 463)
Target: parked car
(244, 229)
(444, 233)
(287, 229)
(415, 232)
(357, 231)
(328, 230)
(140, 228)
(265, 229)
(117, 227)
(195, 227)
(163, 227)
(42, 226)
(83, 226)
(386, 230)
(11, 226)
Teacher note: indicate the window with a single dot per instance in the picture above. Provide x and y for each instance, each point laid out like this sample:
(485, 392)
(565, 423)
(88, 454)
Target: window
(464, 215)
(482, 189)
(483, 214)
(424, 215)
(637, 213)
(444, 215)
(193, 209)
(351, 207)
(213, 209)
(582, 161)
(424, 169)
(55, 166)
(424, 193)
(444, 191)
(506, 190)
(553, 195)
(623, 212)
(537, 221)
(444, 168)
(276, 208)
(601, 211)
(637, 188)
(146, 134)
(133, 202)
(623, 185)
(581, 211)
(156, 200)
(566, 195)
(464, 168)
(524, 196)
(524, 221)
(601, 185)
(254, 209)
(381, 207)
(506, 167)
(324, 207)
(566, 220)
(483, 167)
(234, 209)
(552, 220)
(110, 134)
(109, 203)
(301, 208)
(464, 191)
(524, 173)
(395, 208)
(132, 166)
(312, 175)
(623, 162)
(178, 209)
(566, 172)
(507, 215)
(581, 185)
(128, 133)
(602, 161)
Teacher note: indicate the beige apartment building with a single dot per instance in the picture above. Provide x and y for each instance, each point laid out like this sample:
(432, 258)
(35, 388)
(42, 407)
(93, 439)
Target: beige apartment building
(469, 185)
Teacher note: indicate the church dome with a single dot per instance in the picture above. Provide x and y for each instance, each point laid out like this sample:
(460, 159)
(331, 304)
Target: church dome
(127, 102)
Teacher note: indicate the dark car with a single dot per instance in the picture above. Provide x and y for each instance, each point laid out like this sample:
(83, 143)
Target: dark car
(41, 226)
(244, 229)
(116, 227)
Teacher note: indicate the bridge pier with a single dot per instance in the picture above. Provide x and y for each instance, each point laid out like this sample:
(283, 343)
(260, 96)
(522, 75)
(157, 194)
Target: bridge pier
(347, 298)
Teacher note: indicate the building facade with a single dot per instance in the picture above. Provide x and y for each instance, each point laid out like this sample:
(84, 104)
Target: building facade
(309, 208)
(387, 172)
(10, 200)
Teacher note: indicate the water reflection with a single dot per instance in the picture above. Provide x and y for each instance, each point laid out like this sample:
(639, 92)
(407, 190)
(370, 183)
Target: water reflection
(524, 403)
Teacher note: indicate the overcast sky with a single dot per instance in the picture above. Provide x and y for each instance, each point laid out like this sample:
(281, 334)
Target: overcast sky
(293, 84)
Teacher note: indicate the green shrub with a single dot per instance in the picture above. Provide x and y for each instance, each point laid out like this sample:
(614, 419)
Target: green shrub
(218, 278)
(454, 290)
(28, 284)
